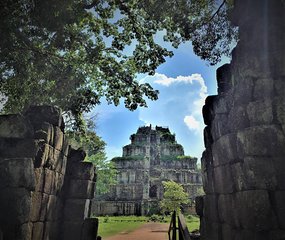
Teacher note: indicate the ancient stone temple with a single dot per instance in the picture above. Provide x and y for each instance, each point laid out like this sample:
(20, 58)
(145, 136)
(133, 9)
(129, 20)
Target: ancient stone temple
(152, 157)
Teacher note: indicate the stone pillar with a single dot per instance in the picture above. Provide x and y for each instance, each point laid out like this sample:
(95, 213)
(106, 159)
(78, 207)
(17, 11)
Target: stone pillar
(243, 164)
(34, 176)
(78, 193)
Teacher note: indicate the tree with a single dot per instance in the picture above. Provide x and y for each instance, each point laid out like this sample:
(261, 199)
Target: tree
(174, 197)
(71, 53)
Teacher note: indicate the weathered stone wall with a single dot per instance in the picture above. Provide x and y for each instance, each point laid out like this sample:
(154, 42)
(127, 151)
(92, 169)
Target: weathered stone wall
(45, 189)
(243, 165)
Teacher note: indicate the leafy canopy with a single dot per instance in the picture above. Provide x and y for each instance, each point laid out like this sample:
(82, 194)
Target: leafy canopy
(174, 197)
(71, 53)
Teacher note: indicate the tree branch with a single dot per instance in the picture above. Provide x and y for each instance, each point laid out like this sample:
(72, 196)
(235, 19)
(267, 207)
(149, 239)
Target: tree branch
(93, 4)
(223, 3)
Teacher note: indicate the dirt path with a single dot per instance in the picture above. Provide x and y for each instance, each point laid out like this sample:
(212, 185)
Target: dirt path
(149, 231)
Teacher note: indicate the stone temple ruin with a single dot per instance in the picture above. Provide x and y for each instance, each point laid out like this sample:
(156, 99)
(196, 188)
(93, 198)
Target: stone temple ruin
(243, 165)
(45, 187)
(152, 157)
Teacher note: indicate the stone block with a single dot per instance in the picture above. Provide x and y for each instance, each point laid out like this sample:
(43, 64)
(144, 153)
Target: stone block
(15, 205)
(199, 205)
(17, 173)
(43, 209)
(15, 126)
(208, 113)
(238, 118)
(36, 206)
(224, 78)
(259, 173)
(72, 230)
(279, 200)
(224, 150)
(208, 181)
(76, 155)
(212, 231)
(208, 139)
(81, 189)
(49, 181)
(52, 214)
(260, 112)
(45, 132)
(39, 114)
(17, 148)
(76, 209)
(246, 234)
(26, 230)
(277, 234)
(242, 95)
(211, 208)
(55, 159)
(42, 155)
(220, 126)
(227, 210)
(50, 231)
(65, 146)
(254, 173)
(279, 165)
(38, 229)
(39, 179)
(59, 181)
(80, 170)
(207, 160)
(255, 211)
(263, 88)
(279, 106)
(58, 138)
(90, 229)
(228, 232)
(261, 141)
(223, 181)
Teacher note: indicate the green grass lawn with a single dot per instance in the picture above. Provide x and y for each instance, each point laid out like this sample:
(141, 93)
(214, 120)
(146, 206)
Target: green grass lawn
(109, 226)
(193, 223)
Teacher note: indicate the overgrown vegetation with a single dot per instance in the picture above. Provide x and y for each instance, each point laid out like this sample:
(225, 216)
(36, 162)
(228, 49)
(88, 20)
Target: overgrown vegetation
(136, 157)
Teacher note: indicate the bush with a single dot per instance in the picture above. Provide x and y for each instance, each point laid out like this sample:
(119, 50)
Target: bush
(157, 218)
(106, 219)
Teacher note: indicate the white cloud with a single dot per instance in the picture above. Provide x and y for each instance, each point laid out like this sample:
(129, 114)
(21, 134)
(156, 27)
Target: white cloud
(192, 123)
(181, 99)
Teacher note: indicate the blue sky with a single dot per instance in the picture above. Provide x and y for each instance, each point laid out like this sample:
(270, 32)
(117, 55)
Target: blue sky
(184, 81)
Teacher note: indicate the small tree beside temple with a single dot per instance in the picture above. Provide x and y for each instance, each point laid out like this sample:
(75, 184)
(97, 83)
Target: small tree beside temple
(174, 197)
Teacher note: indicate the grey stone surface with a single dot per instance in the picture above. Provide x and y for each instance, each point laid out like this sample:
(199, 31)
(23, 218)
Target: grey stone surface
(38, 229)
(33, 185)
(76, 209)
(248, 170)
(81, 189)
(15, 206)
(39, 114)
(15, 126)
(17, 172)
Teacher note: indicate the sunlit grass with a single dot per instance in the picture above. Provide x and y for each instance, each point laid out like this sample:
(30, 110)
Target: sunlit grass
(109, 226)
